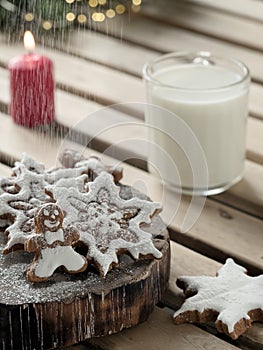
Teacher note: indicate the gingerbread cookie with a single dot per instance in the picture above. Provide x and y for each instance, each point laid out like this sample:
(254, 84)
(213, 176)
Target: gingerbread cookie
(19, 205)
(232, 299)
(108, 224)
(24, 192)
(52, 245)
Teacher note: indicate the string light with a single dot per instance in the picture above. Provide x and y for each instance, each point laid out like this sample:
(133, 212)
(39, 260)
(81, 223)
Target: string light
(80, 11)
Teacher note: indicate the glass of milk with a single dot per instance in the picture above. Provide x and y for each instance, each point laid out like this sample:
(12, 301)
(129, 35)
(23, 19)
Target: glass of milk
(196, 113)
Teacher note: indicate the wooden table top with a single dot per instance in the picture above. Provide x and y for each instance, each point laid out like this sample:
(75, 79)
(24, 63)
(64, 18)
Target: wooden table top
(102, 67)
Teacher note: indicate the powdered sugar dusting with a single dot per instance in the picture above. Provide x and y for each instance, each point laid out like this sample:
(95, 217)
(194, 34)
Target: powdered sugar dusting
(21, 195)
(107, 223)
(232, 294)
(15, 289)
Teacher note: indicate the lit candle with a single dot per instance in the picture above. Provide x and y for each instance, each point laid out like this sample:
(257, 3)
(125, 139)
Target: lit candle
(209, 95)
(31, 87)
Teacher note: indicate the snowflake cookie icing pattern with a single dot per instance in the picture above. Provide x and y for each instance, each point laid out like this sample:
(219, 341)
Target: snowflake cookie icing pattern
(232, 299)
(24, 192)
(108, 224)
(72, 159)
(52, 245)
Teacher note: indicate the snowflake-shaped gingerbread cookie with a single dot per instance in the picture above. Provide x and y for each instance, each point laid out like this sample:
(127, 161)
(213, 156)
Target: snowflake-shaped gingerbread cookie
(108, 224)
(24, 192)
(232, 299)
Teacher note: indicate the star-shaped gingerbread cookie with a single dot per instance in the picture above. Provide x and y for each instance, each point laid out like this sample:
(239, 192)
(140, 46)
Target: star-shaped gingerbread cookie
(108, 224)
(232, 299)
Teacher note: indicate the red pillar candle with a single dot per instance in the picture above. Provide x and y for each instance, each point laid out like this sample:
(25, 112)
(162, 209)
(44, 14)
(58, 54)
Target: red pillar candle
(32, 87)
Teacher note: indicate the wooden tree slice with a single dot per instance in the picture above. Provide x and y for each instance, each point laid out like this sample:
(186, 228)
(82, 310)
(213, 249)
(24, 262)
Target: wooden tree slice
(70, 308)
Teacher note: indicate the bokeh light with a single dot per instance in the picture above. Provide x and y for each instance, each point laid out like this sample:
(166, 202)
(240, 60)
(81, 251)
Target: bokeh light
(70, 16)
(136, 2)
(93, 3)
(120, 9)
(47, 25)
(110, 13)
(98, 17)
(29, 17)
(82, 18)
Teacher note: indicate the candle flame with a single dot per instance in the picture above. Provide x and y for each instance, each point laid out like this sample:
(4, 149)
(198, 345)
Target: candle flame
(29, 41)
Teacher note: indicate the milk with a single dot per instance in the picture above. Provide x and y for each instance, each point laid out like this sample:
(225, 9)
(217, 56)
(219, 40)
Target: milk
(217, 117)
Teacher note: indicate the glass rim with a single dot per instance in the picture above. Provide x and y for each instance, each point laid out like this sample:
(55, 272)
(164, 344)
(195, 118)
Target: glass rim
(204, 54)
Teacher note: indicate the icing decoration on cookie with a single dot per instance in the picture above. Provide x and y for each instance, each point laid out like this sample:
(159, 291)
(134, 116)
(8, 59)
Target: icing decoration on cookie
(52, 245)
(108, 224)
(22, 194)
(30, 164)
(232, 299)
(71, 158)
(8, 186)
(19, 206)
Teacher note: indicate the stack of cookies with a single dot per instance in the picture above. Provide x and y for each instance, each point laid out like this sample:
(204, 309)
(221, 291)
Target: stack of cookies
(76, 245)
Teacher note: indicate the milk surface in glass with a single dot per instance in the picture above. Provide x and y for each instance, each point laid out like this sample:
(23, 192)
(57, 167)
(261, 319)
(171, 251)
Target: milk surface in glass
(216, 115)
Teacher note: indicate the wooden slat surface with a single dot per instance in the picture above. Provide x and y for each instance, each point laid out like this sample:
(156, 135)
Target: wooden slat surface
(159, 333)
(66, 106)
(136, 58)
(89, 79)
(138, 49)
(110, 51)
(246, 8)
(221, 25)
(83, 42)
(4, 170)
(161, 37)
(246, 195)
